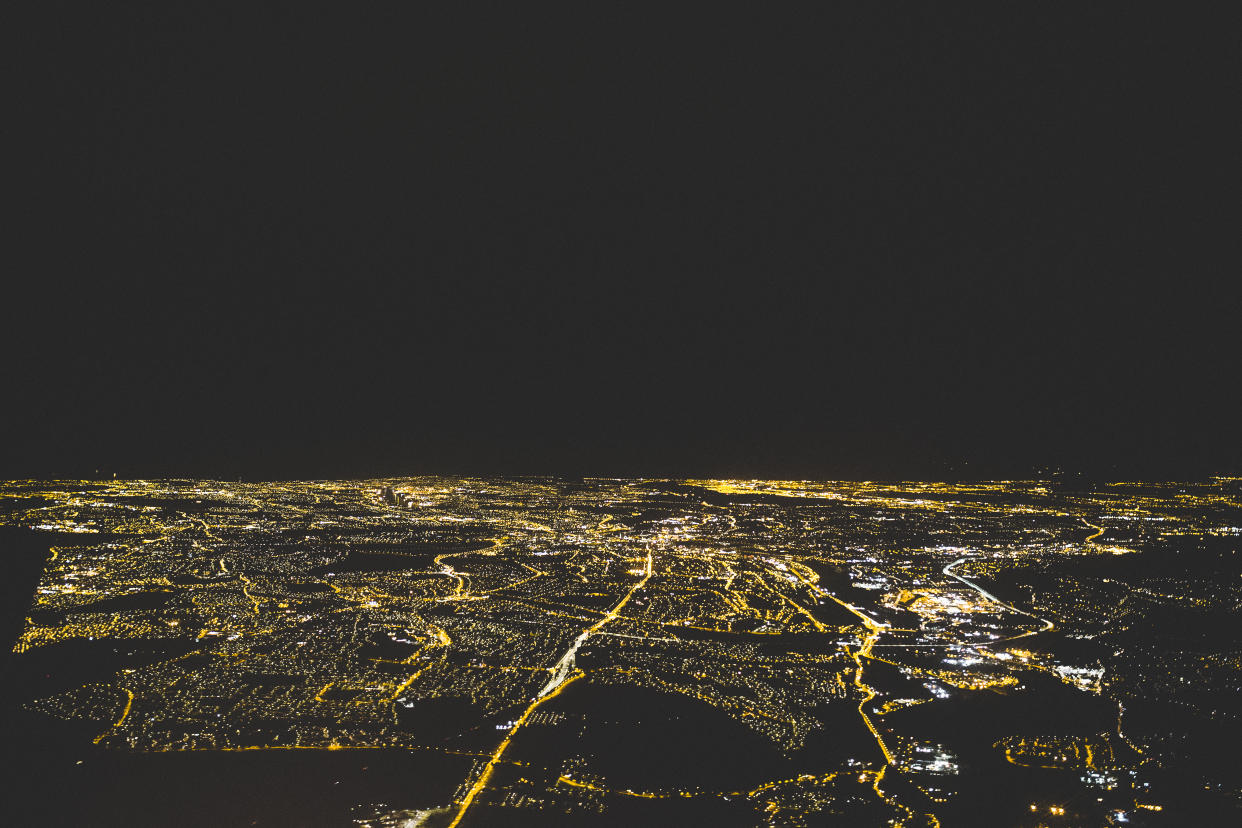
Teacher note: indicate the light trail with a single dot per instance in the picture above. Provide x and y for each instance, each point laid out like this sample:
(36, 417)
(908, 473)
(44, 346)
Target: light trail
(1099, 531)
(588, 786)
(129, 703)
(462, 579)
(400, 688)
(448, 570)
(566, 663)
(246, 591)
(869, 692)
(1048, 625)
(1121, 708)
(562, 677)
(876, 629)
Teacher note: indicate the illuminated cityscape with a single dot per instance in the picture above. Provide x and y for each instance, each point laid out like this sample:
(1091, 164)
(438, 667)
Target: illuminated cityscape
(540, 651)
(775, 415)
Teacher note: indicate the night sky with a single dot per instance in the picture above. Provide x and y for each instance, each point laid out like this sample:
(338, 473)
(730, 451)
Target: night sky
(917, 243)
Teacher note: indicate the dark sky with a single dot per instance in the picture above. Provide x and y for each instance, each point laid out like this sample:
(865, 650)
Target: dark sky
(914, 243)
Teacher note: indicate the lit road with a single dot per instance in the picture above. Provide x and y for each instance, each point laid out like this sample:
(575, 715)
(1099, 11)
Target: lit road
(1047, 625)
(563, 674)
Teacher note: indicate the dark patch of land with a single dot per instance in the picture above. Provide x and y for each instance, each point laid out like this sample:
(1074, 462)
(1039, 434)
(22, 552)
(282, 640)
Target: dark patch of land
(145, 600)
